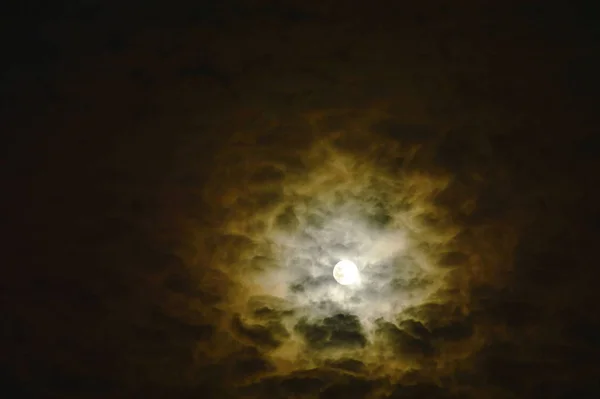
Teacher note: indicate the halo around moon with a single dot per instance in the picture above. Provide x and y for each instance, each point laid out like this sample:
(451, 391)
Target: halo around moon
(345, 272)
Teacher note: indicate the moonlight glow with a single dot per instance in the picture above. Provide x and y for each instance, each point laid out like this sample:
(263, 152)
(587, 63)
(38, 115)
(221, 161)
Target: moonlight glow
(345, 272)
(339, 218)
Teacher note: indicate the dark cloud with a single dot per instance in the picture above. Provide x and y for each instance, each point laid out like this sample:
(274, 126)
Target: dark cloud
(284, 386)
(454, 331)
(415, 328)
(229, 245)
(341, 330)
(405, 344)
(355, 388)
(180, 283)
(248, 367)
(266, 336)
(379, 216)
(309, 282)
(269, 308)
(262, 263)
(287, 220)
(351, 365)
(422, 391)
(453, 259)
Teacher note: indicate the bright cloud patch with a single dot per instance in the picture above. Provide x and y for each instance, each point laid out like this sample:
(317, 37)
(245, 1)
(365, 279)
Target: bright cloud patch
(294, 218)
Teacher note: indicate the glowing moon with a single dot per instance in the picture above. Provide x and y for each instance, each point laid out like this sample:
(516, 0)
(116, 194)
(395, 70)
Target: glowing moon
(345, 272)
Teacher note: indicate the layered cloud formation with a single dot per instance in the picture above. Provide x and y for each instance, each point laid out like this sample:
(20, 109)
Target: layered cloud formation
(359, 193)
(294, 216)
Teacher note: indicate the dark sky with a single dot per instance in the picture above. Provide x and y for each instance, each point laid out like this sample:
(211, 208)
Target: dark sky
(179, 179)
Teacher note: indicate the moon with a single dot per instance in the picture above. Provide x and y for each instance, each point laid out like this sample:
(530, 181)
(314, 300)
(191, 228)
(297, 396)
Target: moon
(345, 272)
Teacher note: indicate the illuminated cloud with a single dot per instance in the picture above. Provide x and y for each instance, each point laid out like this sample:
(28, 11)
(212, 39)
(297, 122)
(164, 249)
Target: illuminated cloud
(293, 215)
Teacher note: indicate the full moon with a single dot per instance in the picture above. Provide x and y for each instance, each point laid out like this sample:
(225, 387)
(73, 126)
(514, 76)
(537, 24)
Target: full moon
(345, 272)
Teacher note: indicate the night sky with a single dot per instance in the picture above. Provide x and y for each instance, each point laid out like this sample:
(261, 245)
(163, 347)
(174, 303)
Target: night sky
(180, 178)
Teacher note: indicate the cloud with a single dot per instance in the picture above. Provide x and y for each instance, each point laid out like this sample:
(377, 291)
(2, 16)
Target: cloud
(247, 365)
(403, 343)
(264, 336)
(299, 383)
(341, 330)
(354, 388)
(347, 364)
(422, 391)
(345, 204)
